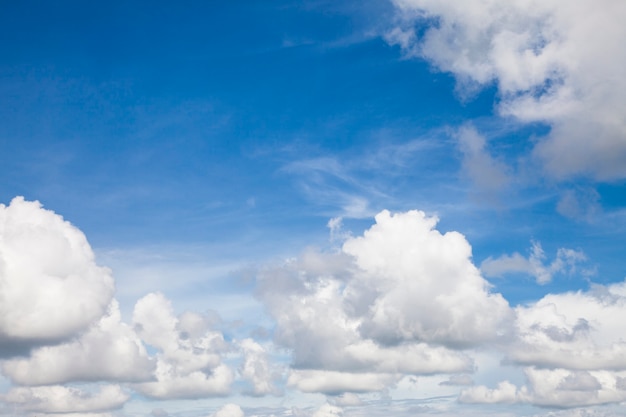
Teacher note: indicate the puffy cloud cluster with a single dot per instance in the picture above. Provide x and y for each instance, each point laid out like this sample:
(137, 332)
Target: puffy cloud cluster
(60, 325)
(401, 299)
(109, 350)
(51, 287)
(189, 353)
(573, 350)
(553, 61)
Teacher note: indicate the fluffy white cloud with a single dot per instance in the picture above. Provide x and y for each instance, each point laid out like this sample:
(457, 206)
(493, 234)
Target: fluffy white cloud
(108, 350)
(256, 369)
(51, 285)
(566, 261)
(426, 287)
(189, 352)
(60, 399)
(504, 393)
(574, 330)
(401, 299)
(573, 350)
(550, 61)
(229, 410)
(553, 388)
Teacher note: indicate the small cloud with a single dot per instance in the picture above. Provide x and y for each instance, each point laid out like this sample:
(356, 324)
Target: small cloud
(580, 204)
(458, 380)
(567, 261)
(488, 174)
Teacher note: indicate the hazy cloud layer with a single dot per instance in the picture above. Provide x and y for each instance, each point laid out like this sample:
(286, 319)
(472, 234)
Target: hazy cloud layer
(553, 61)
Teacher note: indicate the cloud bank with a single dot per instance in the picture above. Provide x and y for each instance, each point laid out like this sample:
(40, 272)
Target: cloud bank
(554, 62)
(401, 300)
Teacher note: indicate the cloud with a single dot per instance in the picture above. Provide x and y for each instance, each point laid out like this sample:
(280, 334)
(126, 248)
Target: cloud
(572, 350)
(580, 204)
(51, 286)
(488, 174)
(188, 361)
(328, 410)
(109, 350)
(566, 261)
(458, 380)
(505, 393)
(549, 62)
(334, 382)
(60, 399)
(552, 388)
(573, 330)
(401, 299)
(229, 410)
(256, 369)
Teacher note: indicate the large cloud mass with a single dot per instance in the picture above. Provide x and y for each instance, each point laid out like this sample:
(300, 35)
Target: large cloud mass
(401, 299)
(50, 285)
(555, 61)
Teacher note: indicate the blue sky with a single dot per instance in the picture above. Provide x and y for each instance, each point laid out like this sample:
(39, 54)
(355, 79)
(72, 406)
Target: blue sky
(230, 165)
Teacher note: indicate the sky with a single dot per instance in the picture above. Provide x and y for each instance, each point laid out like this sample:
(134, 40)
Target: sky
(313, 208)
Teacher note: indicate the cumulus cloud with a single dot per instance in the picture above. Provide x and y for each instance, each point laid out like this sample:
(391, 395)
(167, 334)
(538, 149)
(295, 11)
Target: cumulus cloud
(572, 349)
(550, 64)
(401, 299)
(52, 287)
(109, 350)
(504, 393)
(573, 330)
(256, 369)
(60, 399)
(188, 361)
(566, 261)
(552, 388)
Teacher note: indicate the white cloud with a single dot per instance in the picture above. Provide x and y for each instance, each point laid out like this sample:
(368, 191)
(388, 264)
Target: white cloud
(229, 410)
(401, 299)
(108, 350)
(256, 369)
(566, 261)
(51, 286)
(552, 388)
(189, 361)
(550, 61)
(60, 399)
(334, 382)
(504, 393)
(328, 410)
(427, 287)
(573, 330)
